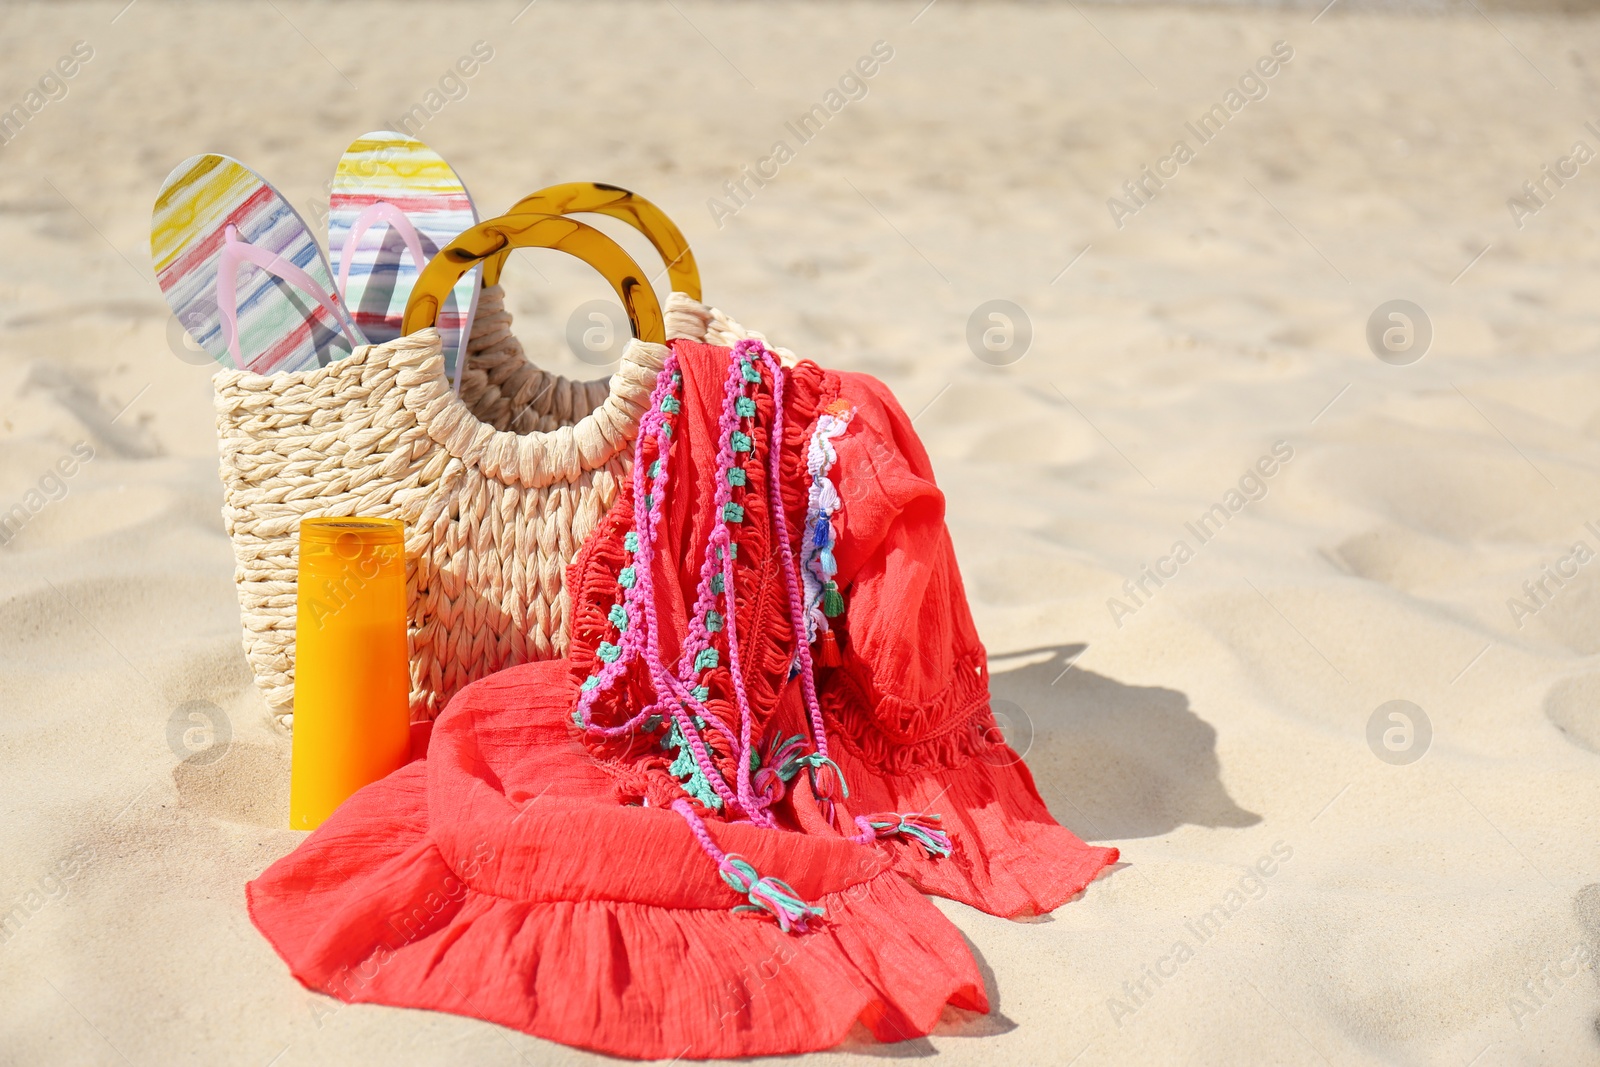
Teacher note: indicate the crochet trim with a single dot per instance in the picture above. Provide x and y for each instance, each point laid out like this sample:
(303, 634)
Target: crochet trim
(900, 737)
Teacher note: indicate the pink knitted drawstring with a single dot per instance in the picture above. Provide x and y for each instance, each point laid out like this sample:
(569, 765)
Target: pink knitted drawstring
(808, 683)
(641, 595)
(719, 559)
(771, 895)
(669, 690)
(679, 694)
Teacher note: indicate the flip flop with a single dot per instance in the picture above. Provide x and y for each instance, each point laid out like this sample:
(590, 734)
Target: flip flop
(242, 273)
(394, 204)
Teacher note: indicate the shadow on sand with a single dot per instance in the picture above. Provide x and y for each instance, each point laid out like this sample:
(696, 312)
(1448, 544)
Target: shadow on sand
(1113, 761)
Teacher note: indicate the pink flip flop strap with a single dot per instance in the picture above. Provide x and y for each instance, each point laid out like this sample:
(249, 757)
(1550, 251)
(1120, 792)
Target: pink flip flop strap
(380, 211)
(236, 250)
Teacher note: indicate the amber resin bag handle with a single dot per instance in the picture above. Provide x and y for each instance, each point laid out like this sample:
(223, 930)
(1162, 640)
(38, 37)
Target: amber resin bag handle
(576, 197)
(495, 239)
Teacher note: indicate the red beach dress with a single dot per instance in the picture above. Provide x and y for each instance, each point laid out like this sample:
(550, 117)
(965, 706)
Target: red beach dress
(708, 831)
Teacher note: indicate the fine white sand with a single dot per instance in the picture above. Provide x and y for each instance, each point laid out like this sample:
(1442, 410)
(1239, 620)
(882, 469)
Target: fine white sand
(1440, 912)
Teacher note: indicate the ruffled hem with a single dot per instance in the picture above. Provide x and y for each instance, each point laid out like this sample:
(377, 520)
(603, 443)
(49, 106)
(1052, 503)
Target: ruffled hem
(369, 910)
(1009, 856)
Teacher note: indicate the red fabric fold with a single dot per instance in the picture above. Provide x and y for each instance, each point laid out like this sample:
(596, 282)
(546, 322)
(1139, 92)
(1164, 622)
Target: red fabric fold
(531, 873)
(498, 878)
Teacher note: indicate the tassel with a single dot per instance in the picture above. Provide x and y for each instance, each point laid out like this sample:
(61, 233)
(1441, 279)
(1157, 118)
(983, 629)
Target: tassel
(827, 780)
(832, 602)
(775, 897)
(830, 649)
(782, 764)
(784, 756)
(919, 827)
(771, 895)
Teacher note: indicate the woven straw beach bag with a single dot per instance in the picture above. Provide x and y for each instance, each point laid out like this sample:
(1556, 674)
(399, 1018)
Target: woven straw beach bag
(498, 488)
(688, 319)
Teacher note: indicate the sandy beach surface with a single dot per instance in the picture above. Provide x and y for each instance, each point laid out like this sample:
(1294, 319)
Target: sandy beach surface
(1352, 881)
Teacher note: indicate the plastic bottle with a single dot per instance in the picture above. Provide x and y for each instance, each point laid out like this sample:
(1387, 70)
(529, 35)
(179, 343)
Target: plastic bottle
(352, 674)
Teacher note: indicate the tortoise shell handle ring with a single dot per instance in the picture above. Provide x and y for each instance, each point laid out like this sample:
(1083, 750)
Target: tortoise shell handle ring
(578, 197)
(497, 238)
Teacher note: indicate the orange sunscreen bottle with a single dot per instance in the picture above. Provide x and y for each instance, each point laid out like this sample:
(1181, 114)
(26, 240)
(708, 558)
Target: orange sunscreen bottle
(352, 678)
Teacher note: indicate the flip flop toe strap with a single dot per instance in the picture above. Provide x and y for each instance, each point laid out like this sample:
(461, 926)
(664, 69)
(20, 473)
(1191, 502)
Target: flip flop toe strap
(235, 250)
(380, 211)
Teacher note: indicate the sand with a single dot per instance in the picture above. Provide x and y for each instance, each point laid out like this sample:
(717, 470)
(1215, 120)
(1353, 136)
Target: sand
(1214, 727)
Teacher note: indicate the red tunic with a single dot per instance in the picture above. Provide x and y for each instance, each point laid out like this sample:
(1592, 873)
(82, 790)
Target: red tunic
(533, 872)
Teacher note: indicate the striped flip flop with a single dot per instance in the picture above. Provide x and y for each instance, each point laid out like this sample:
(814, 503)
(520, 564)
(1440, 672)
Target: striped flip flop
(242, 273)
(394, 204)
